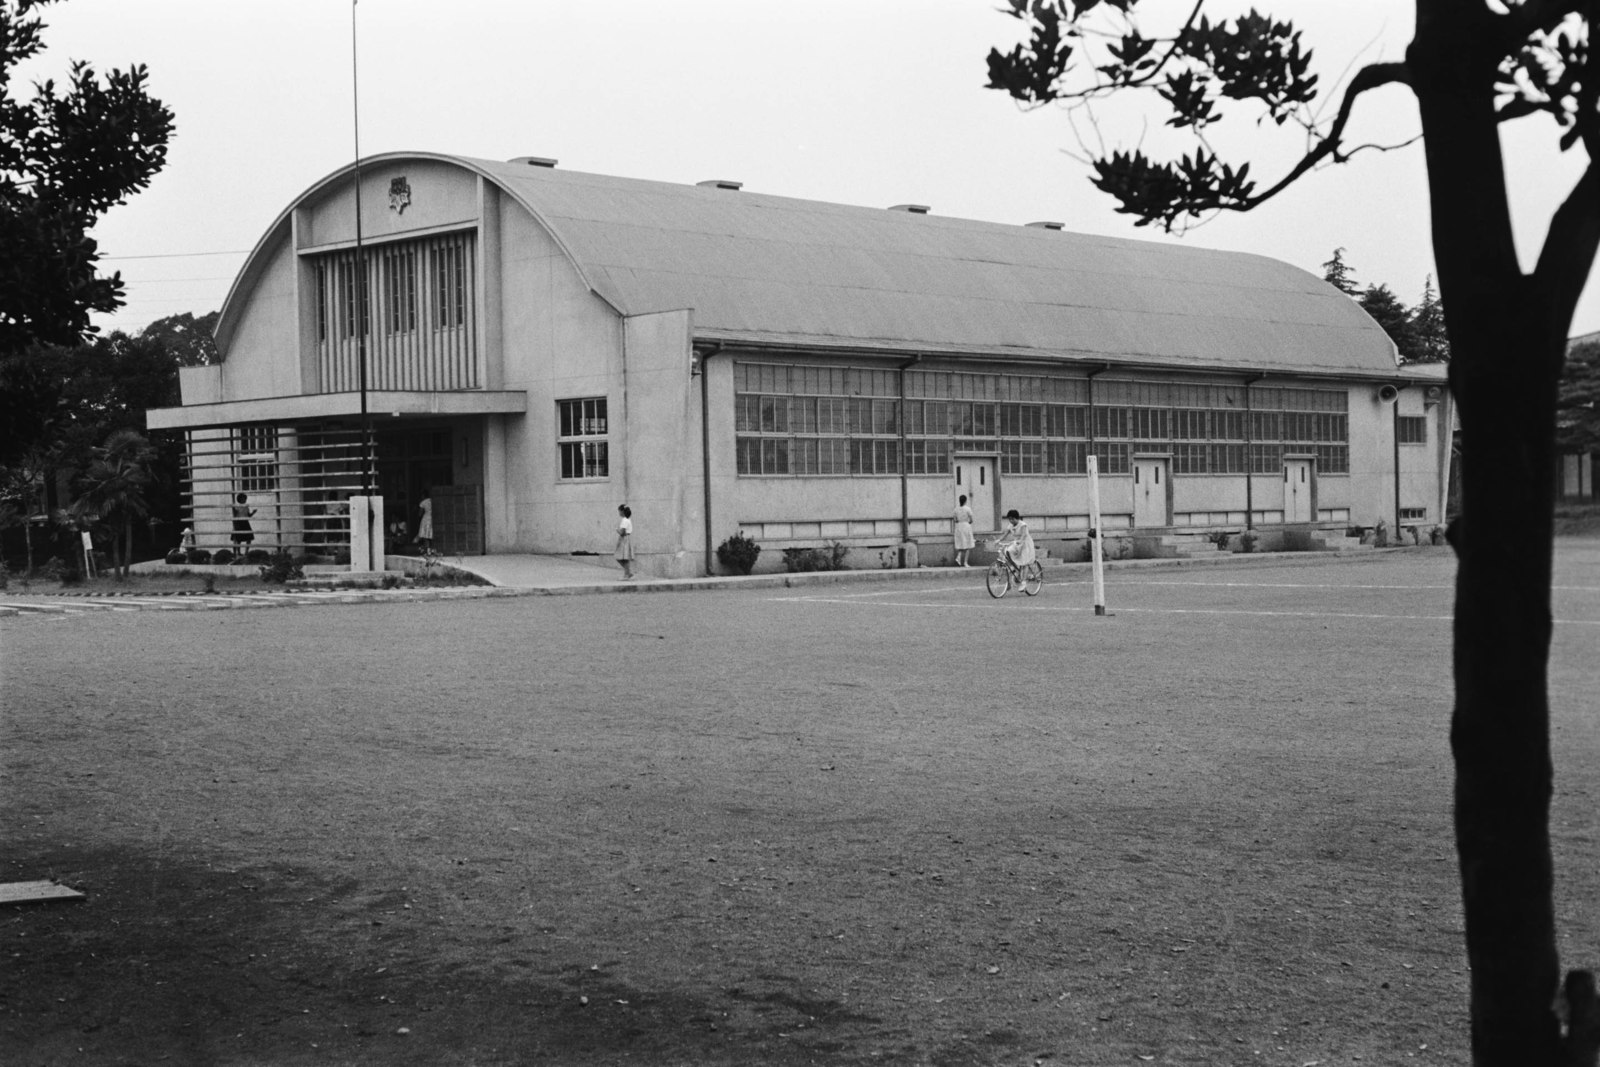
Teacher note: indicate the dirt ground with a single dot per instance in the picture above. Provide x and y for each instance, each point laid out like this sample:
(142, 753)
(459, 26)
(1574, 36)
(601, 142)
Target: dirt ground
(879, 823)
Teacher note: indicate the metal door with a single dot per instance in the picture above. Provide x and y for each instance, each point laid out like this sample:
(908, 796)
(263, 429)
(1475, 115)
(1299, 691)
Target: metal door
(975, 481)
(1297, 490)
(1150, 493)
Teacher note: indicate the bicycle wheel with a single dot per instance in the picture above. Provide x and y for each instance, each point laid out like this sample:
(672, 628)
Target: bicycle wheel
(1033, 578)
(998, 580)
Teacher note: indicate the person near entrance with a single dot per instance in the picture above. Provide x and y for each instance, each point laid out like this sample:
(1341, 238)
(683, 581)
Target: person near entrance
(243, 534)
(964, 541)
(624, 552)
(1015, 542)
(425, 524)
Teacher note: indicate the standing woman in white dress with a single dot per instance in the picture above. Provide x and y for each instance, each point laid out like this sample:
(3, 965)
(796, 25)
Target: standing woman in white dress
(625, 541)
(425, 524)
(964, 541)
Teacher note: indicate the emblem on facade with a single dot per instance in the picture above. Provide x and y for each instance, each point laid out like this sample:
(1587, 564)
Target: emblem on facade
(399, 195)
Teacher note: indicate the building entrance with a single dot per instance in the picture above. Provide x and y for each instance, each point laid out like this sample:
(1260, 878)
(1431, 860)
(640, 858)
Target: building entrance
(975, 481)
(1150, 493)
(1297, 490)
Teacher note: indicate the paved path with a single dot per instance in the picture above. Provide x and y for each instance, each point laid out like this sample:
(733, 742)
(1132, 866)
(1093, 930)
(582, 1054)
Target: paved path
(568, 576)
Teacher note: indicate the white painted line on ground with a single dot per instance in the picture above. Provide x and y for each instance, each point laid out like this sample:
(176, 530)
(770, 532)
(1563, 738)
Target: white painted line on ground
(1325, 585)
(861, 600)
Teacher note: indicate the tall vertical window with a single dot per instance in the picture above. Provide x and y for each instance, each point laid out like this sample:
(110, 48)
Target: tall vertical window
(255, 453)
(581, 437)
(450, 285)
(355, 305)
(400, 289)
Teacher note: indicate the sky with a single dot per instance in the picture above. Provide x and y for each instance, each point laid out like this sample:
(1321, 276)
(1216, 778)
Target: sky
(867, 102)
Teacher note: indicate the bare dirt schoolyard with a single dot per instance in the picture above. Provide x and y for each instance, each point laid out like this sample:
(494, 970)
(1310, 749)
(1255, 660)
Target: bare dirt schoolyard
(881, 822)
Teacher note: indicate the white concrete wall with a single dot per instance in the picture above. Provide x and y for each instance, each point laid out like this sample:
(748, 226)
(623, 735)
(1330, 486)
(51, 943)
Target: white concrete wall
(262, 358)
(560, 341)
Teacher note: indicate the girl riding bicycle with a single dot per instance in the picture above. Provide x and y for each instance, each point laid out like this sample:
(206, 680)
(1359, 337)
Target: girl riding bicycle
(1015, 542)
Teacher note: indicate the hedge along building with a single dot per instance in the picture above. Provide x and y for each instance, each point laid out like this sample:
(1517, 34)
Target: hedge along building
(542, 345)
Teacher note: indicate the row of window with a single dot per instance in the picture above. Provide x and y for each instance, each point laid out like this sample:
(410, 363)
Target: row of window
(861, 436)
(863, 416)
(767, 456)
(806, 380)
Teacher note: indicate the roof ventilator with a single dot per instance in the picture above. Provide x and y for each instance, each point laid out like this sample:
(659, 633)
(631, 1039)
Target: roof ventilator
(913, 209)
(535, 161)
(721, 183)
(1047, 225)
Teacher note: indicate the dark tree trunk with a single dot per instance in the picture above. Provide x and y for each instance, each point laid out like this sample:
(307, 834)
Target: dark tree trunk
(1507, 335)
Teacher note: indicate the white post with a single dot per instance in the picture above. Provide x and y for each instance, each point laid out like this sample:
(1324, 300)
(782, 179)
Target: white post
(1096, 537)
(366, 533)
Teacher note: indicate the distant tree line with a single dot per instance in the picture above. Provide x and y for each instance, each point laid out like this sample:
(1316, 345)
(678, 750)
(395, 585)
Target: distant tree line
(1417, 332)
(73, 452)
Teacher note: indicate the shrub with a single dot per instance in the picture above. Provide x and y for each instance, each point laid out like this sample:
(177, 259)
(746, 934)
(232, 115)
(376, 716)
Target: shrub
(198, 555)
(279, 566)
(260, 555)
(52, 570)
(391, 580)
(830, 558)
(1247, 542)
(1221, 539)
(222, 557)
(738, 553)
(177, 555)
(5, 575)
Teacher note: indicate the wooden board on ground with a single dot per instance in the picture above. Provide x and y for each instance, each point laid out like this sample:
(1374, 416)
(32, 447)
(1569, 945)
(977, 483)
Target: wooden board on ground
(35, 892)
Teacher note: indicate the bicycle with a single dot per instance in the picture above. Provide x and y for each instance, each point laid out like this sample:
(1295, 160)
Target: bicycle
(1004, 576)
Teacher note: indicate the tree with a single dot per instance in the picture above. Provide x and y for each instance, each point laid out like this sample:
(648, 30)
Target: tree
(1390, 312)
(65, 159)
(1578, 407)
(1473, 65)
(1427, 326)
(112, 491)
(58, 404)
(191, 341)
(1337, 274)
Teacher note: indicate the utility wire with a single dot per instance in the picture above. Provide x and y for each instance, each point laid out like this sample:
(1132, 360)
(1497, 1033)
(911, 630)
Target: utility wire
(182, 255)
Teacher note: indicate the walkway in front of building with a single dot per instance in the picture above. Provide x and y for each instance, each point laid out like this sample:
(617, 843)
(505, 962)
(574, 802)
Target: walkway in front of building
(530, 575)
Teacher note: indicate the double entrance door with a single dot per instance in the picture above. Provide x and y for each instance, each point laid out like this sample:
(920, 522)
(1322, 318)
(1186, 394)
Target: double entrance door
(975, 480)
(1150, 492)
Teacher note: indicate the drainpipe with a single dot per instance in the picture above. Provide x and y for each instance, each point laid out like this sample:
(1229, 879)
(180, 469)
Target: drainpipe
(905, 506)
(701, 357)
(1101, 369)
(1249, 458)
(1396, 435)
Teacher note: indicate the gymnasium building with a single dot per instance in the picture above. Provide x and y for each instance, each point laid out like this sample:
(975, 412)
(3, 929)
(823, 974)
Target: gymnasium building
(542, 345)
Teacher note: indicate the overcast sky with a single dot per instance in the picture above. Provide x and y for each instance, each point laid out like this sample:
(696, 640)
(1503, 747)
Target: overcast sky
(870, 102)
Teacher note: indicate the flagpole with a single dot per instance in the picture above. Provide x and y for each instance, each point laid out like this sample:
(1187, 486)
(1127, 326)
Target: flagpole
(360, 283)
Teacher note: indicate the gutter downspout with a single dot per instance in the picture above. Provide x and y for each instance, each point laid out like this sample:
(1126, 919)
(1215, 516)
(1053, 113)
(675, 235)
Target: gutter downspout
(1399, 386)
(1249, 457)
(905, 506)
(1101, 369)
(702, 356)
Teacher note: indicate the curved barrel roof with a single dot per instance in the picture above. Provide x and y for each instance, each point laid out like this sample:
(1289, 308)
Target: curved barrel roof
(774, 269)
(777, 270)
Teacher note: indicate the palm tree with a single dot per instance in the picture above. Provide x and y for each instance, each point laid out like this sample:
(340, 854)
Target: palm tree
(113, 491)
